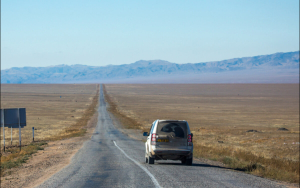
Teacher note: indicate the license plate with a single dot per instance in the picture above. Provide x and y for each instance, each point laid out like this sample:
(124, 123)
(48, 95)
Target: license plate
(162, 140)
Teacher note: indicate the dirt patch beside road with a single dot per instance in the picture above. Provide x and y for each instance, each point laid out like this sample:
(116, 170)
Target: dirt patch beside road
(43, 164)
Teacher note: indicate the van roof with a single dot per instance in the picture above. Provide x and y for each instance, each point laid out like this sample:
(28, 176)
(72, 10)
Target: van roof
(163, 120)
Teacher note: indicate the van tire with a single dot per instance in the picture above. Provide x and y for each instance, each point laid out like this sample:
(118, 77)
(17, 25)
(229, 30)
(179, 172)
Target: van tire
(189, 161)
(146, 158)
(150, 160)
(183, 161)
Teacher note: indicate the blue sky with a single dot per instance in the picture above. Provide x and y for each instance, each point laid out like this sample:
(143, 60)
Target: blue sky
(98, 33)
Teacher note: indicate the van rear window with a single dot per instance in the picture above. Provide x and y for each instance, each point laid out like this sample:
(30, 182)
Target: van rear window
(173, 129)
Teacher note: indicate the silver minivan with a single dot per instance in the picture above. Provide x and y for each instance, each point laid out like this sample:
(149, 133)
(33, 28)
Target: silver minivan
(169, 140)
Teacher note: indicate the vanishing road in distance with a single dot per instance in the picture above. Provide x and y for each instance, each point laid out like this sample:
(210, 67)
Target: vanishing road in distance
(112, 159)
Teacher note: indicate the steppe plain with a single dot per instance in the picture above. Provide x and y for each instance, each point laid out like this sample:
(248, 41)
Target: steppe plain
(219, 116)
(233, 123)
(50, 108)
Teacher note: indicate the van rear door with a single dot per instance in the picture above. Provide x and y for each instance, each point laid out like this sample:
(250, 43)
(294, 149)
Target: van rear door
(172, 134)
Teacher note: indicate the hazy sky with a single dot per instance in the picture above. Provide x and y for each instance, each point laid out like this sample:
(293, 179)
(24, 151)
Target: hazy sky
(44, 33)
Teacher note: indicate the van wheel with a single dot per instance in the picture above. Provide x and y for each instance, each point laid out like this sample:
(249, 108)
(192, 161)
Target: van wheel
(151, 160)
(146, 158)
(189, 161)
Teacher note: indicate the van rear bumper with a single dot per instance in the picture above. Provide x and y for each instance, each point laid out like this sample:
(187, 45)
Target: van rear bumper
(171, 152)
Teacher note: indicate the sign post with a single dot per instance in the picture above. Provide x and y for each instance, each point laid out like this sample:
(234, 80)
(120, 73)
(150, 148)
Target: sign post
(19, 128)
(11, 135)
(33, 134)
(2, 115)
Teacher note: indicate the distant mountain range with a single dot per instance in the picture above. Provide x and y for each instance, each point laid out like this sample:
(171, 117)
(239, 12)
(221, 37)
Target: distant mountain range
(274, 68)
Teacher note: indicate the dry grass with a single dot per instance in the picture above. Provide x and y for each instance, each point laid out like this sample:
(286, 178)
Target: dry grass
(56, 111)
(126, 121)
(275, 168)
(14, 157)
(224, 112)
(77, 129)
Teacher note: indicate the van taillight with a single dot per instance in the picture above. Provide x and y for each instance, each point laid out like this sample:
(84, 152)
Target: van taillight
(190, 141)
(153, 139)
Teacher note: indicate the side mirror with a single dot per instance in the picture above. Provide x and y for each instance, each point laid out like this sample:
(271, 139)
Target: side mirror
(145, 134)
(192, 135)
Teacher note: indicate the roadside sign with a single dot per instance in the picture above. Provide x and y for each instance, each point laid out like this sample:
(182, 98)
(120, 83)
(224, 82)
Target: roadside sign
(32, 133)
(11, 117)
(22, 112)
(1, 117)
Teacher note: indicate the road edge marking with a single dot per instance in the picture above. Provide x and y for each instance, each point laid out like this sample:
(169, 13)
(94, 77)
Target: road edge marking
(143, 168)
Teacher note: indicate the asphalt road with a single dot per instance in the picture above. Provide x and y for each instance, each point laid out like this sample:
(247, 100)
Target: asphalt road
(111, 159)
